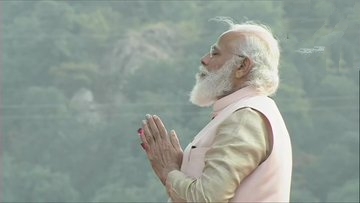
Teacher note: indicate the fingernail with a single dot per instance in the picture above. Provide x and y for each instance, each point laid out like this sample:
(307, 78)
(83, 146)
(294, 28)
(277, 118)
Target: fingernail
(144, 146)
(172, 132)
(144, 122)
(140, 131)
(147, 116)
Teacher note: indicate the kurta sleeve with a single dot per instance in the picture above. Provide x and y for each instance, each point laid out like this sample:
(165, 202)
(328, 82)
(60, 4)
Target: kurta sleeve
(241, 143)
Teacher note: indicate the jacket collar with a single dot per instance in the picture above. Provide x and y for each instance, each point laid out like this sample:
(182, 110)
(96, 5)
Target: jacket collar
(238, 95)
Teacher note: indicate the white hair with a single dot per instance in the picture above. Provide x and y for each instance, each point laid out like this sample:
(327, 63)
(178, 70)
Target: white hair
(260, 46)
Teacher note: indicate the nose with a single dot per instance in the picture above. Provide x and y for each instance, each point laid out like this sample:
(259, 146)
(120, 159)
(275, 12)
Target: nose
(205, 60)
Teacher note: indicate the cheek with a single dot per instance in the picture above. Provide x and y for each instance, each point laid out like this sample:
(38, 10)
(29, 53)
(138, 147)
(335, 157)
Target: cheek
(217, 63)
(214, 67)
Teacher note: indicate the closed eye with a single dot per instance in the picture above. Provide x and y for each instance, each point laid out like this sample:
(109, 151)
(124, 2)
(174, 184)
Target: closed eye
(213, 51)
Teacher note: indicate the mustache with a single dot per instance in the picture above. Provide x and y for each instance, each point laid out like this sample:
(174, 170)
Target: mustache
(202, 72)
(202, 69)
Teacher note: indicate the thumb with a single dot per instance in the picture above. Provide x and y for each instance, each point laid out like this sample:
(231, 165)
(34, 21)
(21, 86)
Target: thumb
(175, 140)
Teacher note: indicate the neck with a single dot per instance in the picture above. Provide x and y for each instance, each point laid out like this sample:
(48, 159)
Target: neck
(234, 89)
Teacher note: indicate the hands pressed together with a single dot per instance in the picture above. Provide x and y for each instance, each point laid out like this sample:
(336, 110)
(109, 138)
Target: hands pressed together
(162, 149)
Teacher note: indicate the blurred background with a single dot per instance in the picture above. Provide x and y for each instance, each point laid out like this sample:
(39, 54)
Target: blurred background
(77, 78)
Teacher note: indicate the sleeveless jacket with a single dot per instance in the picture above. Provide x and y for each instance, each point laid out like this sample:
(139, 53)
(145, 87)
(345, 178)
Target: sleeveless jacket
(271, 180)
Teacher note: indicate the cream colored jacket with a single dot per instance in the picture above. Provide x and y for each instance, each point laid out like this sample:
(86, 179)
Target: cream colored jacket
(242, 155)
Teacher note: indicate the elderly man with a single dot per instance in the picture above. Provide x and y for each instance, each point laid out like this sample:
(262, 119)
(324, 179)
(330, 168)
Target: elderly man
(244, 153)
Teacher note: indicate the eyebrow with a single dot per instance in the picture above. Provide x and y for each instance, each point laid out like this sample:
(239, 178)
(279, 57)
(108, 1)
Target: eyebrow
(215, 47)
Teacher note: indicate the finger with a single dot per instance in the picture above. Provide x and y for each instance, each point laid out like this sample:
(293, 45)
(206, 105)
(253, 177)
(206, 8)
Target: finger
(142, 137)
(162, 130)
(148, 136)
(149, 142)
(175, 140)
(153, 128)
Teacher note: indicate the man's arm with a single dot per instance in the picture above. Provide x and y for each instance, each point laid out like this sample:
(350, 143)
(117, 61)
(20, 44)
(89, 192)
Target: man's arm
(240, 145)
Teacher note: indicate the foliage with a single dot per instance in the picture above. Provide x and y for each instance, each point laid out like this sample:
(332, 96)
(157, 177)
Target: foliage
(78, 78)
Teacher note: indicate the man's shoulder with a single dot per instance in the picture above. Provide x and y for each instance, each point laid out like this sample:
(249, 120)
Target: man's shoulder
(243, 116)
(247, 113)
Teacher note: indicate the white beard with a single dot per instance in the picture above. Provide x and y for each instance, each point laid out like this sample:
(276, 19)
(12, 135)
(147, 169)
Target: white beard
(212, 85)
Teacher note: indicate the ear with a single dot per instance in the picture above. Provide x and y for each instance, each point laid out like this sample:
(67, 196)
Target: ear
(244, 68)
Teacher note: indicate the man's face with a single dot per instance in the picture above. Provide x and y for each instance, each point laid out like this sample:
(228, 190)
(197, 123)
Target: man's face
(215, 78)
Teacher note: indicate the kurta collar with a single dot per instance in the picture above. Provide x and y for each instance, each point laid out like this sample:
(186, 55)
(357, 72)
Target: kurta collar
(242, 93)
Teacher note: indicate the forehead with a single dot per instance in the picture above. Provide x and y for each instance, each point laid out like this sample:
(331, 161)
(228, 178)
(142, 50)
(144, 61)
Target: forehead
(229, 40)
